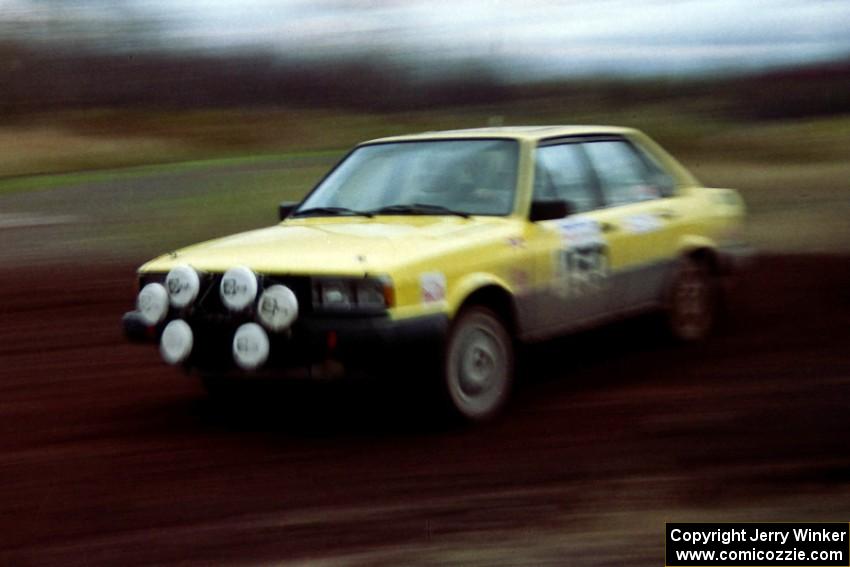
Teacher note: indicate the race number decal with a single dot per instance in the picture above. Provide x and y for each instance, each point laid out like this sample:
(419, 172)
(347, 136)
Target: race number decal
(582, 271)
(582, 262)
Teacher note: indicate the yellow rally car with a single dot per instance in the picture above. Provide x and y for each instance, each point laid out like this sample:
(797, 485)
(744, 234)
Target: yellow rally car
(446, 248)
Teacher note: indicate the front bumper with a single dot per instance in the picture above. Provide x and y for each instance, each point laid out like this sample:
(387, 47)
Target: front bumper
(352, 341)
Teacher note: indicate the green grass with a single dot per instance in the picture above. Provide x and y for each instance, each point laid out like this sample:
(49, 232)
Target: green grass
(43, 182)
(227, 204)
(794, 175)
(70, 141)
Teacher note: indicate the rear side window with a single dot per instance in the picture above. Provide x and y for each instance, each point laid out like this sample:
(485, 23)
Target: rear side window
(622, 173)
(660, 177)
(561, 172)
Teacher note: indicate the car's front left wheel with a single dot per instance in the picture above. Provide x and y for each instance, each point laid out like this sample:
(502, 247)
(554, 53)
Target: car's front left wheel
(478, 364)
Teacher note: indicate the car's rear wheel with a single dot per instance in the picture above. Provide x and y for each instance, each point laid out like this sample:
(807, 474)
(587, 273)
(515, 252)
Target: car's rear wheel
(693, 301)
(478, 365)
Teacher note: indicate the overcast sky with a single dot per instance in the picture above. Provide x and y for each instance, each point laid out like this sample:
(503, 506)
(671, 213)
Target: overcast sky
(541, 37)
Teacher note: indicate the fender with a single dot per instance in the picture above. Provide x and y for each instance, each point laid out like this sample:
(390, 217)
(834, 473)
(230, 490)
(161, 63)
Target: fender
(469, 284)
(691, 242)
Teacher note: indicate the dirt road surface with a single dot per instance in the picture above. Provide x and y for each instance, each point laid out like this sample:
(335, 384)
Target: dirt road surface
(108, 457)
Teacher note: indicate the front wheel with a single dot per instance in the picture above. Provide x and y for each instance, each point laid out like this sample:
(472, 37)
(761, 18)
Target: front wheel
(478, 365)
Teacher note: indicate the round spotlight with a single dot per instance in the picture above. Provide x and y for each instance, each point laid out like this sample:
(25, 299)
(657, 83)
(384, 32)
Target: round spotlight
(250, 346)
(183, 285)
(277, 308)
(175, 345)
(238, 288)
(152, 303)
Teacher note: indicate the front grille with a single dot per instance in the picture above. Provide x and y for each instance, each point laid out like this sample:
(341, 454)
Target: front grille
(214, 324)
(212, 351)
(209, 299)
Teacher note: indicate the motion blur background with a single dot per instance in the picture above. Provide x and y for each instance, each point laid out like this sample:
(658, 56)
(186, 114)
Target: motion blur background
(753, 95)
(129, 128)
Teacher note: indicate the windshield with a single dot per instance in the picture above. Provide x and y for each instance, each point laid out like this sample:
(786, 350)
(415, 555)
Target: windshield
(435, 177)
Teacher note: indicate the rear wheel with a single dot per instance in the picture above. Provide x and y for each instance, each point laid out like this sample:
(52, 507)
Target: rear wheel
(478, 365)
(692, 302)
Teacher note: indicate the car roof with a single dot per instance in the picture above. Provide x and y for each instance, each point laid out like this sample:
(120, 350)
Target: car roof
(530, 133)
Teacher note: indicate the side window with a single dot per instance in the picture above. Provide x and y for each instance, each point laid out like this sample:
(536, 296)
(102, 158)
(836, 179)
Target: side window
(622, 172)
(660, 177)
(561, 173)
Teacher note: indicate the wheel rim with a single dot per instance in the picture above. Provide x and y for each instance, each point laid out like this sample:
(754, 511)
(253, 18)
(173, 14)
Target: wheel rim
(478, 371)
(478, 364)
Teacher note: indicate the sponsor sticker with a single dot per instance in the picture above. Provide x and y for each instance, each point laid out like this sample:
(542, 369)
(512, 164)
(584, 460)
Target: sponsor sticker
(641, 223)
(433, 286)
(578, 231)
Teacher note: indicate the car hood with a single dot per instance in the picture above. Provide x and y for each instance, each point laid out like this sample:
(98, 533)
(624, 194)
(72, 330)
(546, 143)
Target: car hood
(341, 246)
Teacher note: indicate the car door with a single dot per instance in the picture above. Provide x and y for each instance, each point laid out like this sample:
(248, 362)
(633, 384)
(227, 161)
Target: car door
(640, 213)
(571, 254)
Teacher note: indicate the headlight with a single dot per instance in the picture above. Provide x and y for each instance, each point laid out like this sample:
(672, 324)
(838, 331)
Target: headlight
(183, 284)
(238, 288)
(277, 308)
(336, 294)
(353, 293)
(152, 303)
(374, 293)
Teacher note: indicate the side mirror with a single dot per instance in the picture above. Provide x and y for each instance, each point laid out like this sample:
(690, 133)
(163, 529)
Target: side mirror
(285, 209)
(550, 210)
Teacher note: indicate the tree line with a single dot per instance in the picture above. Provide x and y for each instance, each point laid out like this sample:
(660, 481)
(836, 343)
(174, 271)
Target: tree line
(44, 76)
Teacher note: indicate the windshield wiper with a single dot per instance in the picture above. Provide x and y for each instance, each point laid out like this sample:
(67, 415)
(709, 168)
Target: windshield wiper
(418, 209)
(331, 212)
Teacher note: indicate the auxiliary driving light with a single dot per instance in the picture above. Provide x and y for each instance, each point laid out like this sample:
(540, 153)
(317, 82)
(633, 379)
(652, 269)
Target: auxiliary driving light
(152, 303)
(250, 346)
(183, 284)
(238, 288)
(176, 342)
(277, 308)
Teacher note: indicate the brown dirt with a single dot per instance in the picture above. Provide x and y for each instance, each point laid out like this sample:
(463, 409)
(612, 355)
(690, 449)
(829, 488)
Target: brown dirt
(108, 457)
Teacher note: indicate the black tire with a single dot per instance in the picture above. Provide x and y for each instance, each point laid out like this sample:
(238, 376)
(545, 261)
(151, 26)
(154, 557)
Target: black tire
(478, 365)
(693, 301)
